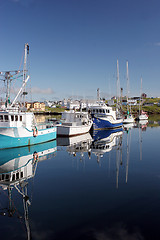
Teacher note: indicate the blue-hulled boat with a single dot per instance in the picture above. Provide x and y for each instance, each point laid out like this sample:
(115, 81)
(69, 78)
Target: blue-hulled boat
(104, 117)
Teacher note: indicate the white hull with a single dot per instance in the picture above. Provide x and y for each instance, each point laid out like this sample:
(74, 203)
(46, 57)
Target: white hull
(128, 120)
(67, 130)
(143, 117)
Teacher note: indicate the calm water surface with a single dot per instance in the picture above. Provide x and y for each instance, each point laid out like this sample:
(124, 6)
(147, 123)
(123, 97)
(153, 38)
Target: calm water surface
(101, 187)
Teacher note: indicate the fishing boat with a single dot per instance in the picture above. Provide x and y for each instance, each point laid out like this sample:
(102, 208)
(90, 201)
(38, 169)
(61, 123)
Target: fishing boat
(18, 127)
(74, 123)
(104, 117)
(129, 117)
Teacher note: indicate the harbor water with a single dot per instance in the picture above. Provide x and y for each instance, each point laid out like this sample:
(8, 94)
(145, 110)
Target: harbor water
(102, 186)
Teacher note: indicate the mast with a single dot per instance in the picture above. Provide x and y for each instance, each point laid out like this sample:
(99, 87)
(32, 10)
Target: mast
(127, 86)
(26, 53)
(140, 99)
(117, 79)
(118, 86)
(25, 77)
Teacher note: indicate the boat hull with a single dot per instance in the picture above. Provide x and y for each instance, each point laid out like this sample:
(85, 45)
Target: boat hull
(128, 120)
(100, 123)
(19, 137)
(72, 130)
(143, 117)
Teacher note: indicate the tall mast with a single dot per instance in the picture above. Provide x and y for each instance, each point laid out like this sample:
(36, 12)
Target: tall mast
(118, 84)
(140, 99)
(127, 85)
(26, 53)
(25, 77)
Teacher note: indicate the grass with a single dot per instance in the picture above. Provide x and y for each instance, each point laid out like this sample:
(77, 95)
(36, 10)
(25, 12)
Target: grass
(57, 109)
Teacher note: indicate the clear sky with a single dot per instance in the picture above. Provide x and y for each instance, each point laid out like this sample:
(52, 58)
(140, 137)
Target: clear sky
(74, 45)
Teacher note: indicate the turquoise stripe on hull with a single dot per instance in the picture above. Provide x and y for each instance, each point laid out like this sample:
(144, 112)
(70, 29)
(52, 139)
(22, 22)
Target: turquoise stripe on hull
(11, 142)
(16, 153)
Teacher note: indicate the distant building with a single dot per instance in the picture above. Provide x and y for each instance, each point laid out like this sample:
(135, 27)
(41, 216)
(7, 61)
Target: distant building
(35, 106)
(131, 102)
(143, 95)
(73, 104)
(64, 103)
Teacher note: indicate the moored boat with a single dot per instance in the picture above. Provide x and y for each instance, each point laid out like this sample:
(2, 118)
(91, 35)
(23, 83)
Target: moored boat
(17, 126)
(105, 117)
(143, 116)
(128, 119)
(74, 123)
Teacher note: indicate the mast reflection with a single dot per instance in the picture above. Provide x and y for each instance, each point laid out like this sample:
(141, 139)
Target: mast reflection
(17, 166)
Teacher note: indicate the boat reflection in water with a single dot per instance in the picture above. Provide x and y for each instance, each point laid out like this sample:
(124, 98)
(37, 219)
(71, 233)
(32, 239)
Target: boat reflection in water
(76, 144)
(129, 126)
(17, 166)
(105, 140)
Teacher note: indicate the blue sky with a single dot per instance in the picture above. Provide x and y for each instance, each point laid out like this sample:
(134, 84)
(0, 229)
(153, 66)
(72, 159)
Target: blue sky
(74, 45)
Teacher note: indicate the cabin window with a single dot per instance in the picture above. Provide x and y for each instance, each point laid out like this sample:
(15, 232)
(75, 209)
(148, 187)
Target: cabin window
(13, 177)
(21, 118)
(16, 118)
(97, 110)
(5, 117)
(17, 175)
(100, 110)
(7, 177)
(1, 117)
(12, 117)
(93, 110)
(21, 174)
(103, 110)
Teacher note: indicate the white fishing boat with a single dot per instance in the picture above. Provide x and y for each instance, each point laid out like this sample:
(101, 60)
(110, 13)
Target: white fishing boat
(129, 117)
(104, 117)
(17, 126)
(74, 123)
